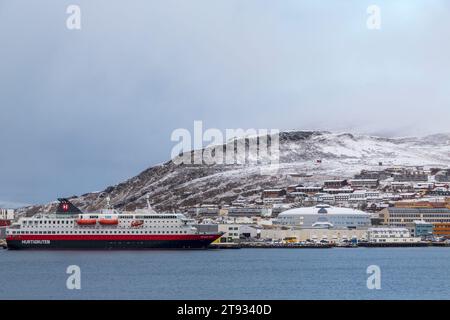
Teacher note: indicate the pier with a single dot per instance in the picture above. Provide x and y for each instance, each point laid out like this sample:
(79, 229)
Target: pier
(268, 245)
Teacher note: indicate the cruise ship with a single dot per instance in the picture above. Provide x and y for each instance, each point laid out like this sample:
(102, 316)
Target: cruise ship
(69, 228)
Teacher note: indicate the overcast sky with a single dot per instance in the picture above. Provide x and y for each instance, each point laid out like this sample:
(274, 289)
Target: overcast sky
(84, 109)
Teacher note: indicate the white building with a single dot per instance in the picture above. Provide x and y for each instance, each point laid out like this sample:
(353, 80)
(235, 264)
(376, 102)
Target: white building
(231, 232)
(325, 198)
(324, 216)
(358, 196)
(6, 214)
(390, 235)
(342, 197)
(364, 183)
(315, 235)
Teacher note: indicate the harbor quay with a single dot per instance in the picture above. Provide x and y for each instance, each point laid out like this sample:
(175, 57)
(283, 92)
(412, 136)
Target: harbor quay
(315, 235)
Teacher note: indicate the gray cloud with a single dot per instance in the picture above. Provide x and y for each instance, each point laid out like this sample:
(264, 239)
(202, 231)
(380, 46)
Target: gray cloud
(84, 109)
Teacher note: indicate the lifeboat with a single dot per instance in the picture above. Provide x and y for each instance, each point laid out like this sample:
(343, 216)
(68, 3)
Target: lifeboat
(86, 222)
(137, 223)
(109, 221)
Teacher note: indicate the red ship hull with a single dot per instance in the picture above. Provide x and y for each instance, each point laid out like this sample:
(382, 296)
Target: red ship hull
(195, 241)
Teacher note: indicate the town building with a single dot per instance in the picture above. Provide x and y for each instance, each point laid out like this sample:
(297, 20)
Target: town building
(400, 217)
(249, 212)
(412, 176)
(420, 228)
(230, 231)
(364, 183)
(309, 190)
(6, 214)
(401, 186)
(370, 174)
(338, 190)
(442, 229)
(273, 193)
(439, 192)
(342, 198)
(390, 235)
(204, 211)
(443, 176)
(335, 184)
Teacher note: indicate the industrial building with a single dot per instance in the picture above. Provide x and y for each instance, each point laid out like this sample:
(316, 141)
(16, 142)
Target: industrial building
(400, 217)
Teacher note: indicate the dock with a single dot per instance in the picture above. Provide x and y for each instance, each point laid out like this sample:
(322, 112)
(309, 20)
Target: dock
(268, 245)
(230, 245)
(393, 244)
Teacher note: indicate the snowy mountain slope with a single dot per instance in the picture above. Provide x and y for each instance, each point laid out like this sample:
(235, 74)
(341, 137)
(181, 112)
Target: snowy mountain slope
(172, 186)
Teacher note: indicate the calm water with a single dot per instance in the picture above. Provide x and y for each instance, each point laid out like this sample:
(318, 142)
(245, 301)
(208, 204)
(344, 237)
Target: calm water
(406, 273)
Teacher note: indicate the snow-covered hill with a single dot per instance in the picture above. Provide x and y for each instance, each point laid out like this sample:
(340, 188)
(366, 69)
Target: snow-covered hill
(173, 186)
